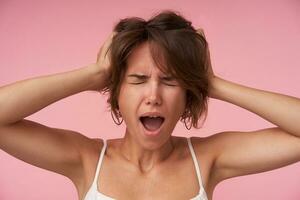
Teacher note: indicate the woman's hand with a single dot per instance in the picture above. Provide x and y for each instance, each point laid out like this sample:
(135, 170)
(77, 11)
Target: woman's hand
(103, 64)
(103, 56)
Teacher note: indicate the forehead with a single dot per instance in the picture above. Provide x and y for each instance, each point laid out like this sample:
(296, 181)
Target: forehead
(142, 60)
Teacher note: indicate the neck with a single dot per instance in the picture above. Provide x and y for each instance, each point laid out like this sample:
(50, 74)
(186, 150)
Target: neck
(145, 158)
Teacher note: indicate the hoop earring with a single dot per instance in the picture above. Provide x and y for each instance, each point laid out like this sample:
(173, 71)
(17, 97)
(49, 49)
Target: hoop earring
(118, 122)
(183, 120)
(188, 128)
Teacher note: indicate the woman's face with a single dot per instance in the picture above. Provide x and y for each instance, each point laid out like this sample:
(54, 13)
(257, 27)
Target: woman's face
(147, 92)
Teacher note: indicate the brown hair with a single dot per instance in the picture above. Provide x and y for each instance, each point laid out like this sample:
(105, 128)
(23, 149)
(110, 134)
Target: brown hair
(176, 48)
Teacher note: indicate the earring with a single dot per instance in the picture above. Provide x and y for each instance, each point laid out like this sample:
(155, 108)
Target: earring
(183, 119)
(117, 121)
(188, 128)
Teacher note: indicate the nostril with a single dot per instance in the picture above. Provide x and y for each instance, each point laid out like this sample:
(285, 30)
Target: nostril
(153, 100)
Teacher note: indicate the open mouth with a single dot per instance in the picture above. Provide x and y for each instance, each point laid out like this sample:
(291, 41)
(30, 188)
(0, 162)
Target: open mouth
(152, 123)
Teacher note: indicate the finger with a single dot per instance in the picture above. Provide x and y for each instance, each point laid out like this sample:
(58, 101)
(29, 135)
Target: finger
(200, 31)
(105, 47)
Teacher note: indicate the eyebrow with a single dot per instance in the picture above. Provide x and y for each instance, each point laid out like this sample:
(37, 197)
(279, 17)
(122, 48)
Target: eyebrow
(140, 76)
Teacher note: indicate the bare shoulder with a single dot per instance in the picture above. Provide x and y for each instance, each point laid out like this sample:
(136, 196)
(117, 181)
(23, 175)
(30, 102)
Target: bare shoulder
(90, 152)
(205, 156)
(238, 153)
(62, 151)
(203, 147)
(209, 149)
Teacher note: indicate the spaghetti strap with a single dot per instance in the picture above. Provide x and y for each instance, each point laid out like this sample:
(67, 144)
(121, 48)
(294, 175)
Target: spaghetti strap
(197, 166)
(99, 163)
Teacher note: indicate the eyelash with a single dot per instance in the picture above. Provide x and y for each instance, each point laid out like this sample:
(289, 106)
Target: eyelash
(170, 84)
(164, 83)
(135, 83)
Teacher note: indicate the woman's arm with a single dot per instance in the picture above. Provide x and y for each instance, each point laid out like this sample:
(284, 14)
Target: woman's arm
(23, 98)
(240, 153)
(279, 109)
(53, 149)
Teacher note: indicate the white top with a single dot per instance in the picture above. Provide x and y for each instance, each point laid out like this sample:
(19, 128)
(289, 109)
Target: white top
(94, 194)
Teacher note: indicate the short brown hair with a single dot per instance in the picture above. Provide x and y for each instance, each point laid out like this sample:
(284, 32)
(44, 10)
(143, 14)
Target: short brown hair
(176, 48)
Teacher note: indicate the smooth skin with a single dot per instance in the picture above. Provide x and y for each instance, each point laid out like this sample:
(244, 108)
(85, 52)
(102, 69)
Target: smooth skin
(223, 155)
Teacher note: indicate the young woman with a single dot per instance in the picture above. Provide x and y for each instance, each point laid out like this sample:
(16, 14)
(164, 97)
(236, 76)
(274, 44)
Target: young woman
(156, 73)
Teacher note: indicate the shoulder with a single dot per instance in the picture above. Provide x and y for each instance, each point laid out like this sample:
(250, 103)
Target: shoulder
(90, 154)
(90, 151)
(203, 146)
(206, 150)
(213, 145)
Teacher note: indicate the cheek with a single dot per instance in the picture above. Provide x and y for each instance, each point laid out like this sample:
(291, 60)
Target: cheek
(128, 101)
(176, 101)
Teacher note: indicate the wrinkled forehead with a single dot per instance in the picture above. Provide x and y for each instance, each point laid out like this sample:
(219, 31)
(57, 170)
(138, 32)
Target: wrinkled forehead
(148, 58)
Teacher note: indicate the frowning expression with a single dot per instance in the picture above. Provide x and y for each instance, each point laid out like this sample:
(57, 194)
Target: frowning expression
(150, 102)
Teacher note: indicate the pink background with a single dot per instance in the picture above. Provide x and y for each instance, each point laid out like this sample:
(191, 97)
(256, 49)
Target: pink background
(256, 43)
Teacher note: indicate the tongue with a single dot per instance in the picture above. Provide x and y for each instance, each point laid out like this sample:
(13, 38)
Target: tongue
(152, 124)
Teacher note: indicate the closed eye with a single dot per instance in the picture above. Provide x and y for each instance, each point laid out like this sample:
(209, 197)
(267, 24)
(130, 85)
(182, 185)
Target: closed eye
(137, 79)
(170, 81)
(168, 78)
(140, 79)
(169, 84)
(137, 83)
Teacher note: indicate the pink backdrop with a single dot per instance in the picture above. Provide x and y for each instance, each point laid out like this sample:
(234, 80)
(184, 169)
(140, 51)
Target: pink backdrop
(253, 43)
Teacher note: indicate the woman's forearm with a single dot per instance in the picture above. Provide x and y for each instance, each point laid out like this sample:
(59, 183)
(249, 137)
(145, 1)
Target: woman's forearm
(23, 98)
(281, 110)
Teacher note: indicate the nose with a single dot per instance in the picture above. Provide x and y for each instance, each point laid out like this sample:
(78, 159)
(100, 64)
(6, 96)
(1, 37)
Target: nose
(154, 97)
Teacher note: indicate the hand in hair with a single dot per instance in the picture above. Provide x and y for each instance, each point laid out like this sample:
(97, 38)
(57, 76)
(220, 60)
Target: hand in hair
(103, 57)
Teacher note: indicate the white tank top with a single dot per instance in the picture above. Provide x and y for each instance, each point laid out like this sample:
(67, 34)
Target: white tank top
(94, 194)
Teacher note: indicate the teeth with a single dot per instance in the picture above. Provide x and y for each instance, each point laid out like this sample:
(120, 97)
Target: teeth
(153, 116)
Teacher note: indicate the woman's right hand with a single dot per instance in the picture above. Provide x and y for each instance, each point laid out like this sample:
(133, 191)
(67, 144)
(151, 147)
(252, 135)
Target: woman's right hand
(103, 56)
(103, 64)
